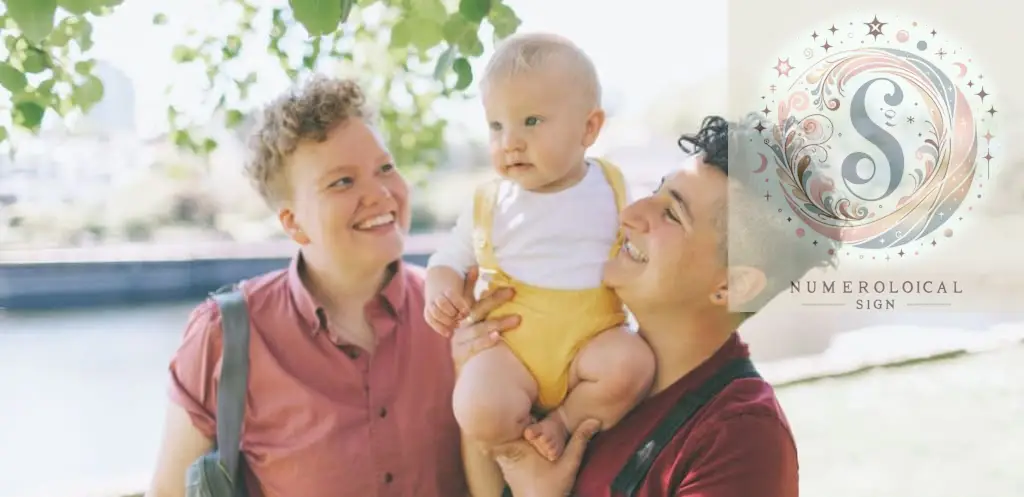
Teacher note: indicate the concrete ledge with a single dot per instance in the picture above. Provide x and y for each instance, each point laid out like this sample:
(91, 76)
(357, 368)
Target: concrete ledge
(829, 365)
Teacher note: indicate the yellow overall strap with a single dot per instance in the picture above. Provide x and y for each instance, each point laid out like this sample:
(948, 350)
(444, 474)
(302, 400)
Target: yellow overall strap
(618, 184)
(483, 224)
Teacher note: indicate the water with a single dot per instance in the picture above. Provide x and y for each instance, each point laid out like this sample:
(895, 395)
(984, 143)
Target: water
(86, 392)
(86, 389)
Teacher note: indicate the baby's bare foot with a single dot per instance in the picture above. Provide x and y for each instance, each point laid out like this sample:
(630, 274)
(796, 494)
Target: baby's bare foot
(548, 436)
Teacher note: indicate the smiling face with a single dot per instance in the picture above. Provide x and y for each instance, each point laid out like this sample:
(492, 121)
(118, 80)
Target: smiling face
(672, 256)
(348, 203)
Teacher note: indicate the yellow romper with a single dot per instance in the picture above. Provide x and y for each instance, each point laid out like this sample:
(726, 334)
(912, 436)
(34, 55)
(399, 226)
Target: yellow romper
(554, 323)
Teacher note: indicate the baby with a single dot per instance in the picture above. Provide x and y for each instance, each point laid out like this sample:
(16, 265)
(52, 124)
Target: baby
(545, 227)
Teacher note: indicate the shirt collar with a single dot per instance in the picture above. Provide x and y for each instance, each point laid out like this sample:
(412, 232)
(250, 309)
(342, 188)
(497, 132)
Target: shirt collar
(391, 299)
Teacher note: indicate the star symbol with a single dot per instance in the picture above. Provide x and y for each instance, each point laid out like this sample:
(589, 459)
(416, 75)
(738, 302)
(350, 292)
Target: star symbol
(934, 32)
(989, 136)
(970, 83)
(833, 29)
(773, 87)
(814, 35)
(783, 67)
(910, 119)
(933, 243)
(991, 111)
(941, 53)
(982, 94)
(760, 127)
(815, 243)
(766, 111)
(988, 156)
(901, 254)
(789, 219)
(875, 27)
(826, 46)
(767, 196)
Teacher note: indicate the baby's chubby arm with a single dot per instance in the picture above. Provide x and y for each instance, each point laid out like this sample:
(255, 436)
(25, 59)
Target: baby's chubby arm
(446, 303)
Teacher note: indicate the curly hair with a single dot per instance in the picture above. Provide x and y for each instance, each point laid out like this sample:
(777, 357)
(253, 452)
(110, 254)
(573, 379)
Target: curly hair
(759, 238)
(307, 113)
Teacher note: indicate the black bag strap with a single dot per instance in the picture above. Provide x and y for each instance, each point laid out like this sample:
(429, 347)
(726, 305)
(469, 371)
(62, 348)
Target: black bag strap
(636, 469)
(234, 376)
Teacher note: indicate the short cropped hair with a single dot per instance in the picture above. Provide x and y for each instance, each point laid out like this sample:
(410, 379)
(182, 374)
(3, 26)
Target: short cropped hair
(524, 52)
(759, 238)
(306, 113)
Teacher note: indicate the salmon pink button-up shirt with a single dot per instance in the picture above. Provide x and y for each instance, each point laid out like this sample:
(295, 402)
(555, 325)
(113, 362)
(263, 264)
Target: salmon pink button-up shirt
(329, 420)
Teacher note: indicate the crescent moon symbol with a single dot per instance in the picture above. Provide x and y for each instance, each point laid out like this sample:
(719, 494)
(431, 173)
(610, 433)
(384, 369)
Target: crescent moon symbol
(764, 164)
(962, 67)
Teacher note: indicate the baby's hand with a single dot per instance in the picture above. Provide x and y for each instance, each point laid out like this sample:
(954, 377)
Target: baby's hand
(446, 310)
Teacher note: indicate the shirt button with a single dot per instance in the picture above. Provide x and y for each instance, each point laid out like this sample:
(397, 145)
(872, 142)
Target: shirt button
(383, 412)
(388, 478)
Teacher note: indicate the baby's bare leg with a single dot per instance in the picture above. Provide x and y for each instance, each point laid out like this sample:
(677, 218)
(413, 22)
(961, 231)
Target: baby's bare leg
(611, 374)
(492, 400)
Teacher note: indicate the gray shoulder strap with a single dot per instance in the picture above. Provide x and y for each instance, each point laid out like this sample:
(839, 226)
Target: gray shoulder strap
(234, 376)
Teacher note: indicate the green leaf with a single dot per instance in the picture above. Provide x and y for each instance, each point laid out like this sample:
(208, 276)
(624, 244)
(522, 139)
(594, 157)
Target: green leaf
(401, 33)
(319, 17)
(474, 10)
(463, 34)
(77, 7)
(444, 63)
(427, 36)
(464, 71)
(3, 133)
(430, 10)
(182, 54)
(29, 114)
(346, 9)
(209, 145)
(33, 17)
(233, 118)
(11, 78)
(504, 20)
(160, 19)
(84, 67)
(88, 94)
(36, 61)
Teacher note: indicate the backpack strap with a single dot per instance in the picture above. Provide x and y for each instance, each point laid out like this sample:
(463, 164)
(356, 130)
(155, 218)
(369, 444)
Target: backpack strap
(635, 471)
(234, 376)
(639, 464)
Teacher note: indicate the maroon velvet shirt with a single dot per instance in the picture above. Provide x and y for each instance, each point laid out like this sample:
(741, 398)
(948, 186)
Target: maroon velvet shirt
(323, 419)
(737, 445)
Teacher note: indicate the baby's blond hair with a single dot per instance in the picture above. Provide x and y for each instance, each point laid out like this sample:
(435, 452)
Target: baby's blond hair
(526, 52)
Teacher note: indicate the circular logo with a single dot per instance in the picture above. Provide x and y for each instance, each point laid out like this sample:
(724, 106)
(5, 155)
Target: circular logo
(880, 133)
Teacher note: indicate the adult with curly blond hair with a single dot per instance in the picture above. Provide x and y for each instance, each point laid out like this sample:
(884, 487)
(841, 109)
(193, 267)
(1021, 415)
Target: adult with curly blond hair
(349, 391)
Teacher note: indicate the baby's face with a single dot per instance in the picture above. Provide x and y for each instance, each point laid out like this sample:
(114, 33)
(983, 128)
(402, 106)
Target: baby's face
(538, 129)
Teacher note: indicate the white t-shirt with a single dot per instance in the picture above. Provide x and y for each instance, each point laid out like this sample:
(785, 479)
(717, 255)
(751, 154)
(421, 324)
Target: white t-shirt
(557, 240)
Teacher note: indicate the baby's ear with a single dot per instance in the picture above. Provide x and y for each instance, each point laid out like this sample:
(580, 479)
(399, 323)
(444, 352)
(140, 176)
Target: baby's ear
(595, 121)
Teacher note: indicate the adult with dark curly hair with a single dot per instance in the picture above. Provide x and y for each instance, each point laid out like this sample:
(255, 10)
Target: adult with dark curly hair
(712, 427)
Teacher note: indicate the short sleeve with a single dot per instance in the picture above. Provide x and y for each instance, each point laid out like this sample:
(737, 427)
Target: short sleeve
(456, 250)
(196, 365)
(745, 455)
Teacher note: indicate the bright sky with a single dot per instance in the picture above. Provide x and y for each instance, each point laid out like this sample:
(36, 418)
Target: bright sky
(639, 52)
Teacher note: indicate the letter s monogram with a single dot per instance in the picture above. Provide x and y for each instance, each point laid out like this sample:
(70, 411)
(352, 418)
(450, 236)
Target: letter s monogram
(875, 134)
